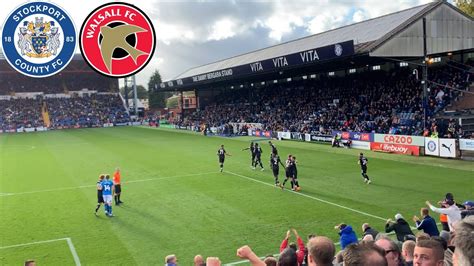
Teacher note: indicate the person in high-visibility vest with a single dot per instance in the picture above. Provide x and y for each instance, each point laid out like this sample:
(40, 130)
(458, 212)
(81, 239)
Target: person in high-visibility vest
(118, 186)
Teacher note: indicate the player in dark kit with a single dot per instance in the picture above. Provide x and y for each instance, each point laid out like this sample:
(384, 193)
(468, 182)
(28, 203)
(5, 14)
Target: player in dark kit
(274, 149)
(221, 153)
(258, 156)
(100, 199)
(275, 165)
(295, 174)
(363, 166)
(289, 171)
(252, 152)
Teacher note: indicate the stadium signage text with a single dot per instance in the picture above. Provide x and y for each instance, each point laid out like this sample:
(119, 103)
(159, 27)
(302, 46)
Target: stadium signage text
(314, 55)
(212, 75)
(400, 139)
(354, 135)
(38, 39)
(395, 148)
(466, 144)
(117, 39)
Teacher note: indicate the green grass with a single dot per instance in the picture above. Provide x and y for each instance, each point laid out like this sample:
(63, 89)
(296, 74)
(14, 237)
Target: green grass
(178, 203)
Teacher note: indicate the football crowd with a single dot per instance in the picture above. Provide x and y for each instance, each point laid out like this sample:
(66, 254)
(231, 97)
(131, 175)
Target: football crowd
(418, 243)
(87, 111)
(381, 102)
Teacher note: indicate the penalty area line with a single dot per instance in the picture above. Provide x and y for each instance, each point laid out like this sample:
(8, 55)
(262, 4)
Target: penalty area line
(68, 240)
(311, 197)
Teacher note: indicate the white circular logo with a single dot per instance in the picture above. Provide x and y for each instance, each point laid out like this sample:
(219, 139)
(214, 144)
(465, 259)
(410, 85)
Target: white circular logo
(338, 49)
(431, 146)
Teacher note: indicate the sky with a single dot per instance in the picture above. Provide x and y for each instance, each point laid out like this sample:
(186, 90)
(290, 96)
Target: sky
(193, 33)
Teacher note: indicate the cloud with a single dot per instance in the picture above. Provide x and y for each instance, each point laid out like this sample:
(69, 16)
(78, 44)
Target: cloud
(190, 34)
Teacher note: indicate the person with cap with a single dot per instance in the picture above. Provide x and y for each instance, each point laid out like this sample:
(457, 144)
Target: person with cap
(400, 226)
(468, 209)
(450, 209)
(427, 224)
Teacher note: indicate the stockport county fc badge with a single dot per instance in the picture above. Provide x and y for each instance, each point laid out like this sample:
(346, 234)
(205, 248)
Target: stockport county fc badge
(38, 39)
(117, 40)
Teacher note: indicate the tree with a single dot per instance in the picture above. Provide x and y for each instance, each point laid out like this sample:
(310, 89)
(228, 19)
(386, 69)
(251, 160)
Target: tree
(157, 98)
(142, 93)
(467, 6)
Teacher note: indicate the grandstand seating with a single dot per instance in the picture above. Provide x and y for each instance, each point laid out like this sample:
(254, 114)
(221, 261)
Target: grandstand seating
(93, 110)
(381, 102)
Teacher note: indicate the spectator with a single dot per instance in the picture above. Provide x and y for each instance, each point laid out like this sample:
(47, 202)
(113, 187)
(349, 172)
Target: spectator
(449, 251)
(450, 209)
(30, 263)
(364, 254)
(321, 251)
(347, 235)
(468, 209)
(213, 261)
(428, 224)
(392, 251)
(300, 251)
(464, 242)
(367, 230)
(429, 253)
(408, 248)
(198, 261)
(171, 260)
(270, 261)
(400, 226)
(288, 258)
(368, 238)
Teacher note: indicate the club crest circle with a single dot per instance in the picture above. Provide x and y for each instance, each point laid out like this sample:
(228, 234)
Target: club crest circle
(117, 40)
(38, 39)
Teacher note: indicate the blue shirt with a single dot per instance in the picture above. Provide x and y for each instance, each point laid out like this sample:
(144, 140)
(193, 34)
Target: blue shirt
(107, 187)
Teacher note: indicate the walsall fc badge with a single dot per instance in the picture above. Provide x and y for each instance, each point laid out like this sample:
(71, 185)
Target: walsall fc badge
(38, 39)
(117, 40)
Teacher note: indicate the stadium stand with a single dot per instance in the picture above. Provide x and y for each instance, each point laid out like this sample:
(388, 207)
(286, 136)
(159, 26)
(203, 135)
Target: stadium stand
(366, 77)
(382, 102)
(77, 97)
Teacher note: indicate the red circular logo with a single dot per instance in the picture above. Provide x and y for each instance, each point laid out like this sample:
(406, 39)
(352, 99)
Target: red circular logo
(117, 40)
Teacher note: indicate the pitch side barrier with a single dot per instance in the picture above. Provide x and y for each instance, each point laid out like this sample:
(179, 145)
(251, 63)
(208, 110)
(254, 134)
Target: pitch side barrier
(389, 143)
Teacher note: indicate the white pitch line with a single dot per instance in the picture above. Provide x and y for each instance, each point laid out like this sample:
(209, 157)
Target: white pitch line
(311, 197)
(89, 186)
(33, 243)
(67, 239)
(73, 251)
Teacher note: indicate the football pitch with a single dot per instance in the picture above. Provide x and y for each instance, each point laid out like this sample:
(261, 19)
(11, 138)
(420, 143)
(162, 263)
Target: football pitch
(177, 201)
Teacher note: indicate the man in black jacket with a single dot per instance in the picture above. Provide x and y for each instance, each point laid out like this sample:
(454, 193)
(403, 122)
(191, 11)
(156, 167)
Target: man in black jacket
(369, 230)
(400, 226)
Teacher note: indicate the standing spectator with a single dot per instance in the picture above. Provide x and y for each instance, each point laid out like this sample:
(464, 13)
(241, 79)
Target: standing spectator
(464, 243)
(428, 252)
(288, 258)
(392, 252)
(321, 251)
(450, 209)
(428, 224)
(408, 248)
(347, 235)
(468, 209)
(299, 251)
(400, 226)
(30, 263)
(198, 261)
(367, 230)
(171, 260)
(364, 254)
